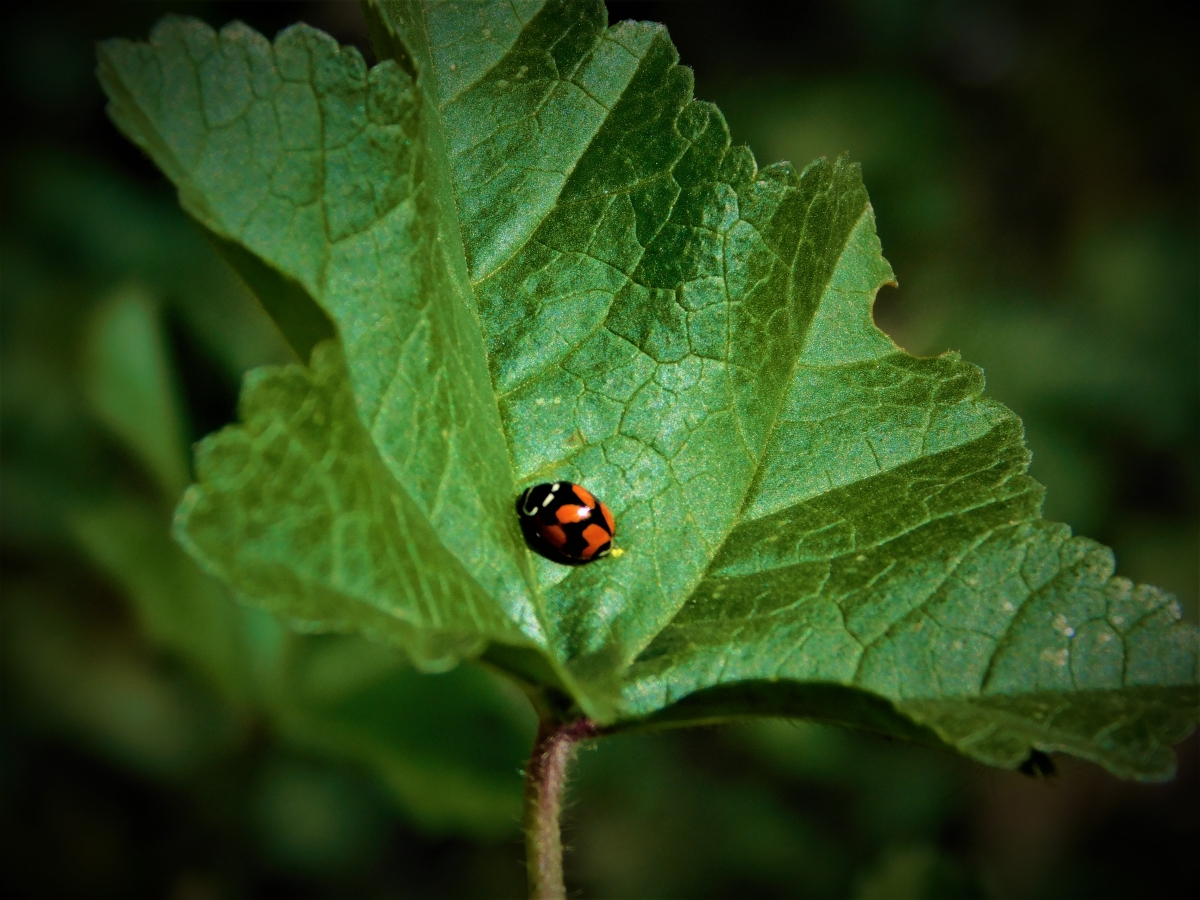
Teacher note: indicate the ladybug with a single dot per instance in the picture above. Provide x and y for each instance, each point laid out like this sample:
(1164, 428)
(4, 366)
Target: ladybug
(565, 523)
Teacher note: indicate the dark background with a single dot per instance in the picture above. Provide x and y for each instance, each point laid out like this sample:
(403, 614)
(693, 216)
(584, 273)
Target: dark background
(1033, 168)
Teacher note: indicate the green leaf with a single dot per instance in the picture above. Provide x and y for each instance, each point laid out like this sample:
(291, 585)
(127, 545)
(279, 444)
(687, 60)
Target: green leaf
(293, 515)
(449, 746)
(129, 387)
(79, 678)
(917, 871)
(177, 605)
(544, 260)
(315, 166)
(120, 231)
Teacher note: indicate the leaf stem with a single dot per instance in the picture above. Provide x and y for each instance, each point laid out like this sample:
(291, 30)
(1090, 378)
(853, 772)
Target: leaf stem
(545, 780)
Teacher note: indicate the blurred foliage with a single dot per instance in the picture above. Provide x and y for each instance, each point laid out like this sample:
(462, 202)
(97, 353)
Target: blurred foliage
(1034, 172)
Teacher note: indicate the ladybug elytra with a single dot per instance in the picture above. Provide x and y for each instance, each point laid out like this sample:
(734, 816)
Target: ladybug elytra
(565, 523)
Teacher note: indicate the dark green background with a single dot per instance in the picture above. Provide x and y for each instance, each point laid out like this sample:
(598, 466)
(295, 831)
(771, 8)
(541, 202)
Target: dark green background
(1034, 173)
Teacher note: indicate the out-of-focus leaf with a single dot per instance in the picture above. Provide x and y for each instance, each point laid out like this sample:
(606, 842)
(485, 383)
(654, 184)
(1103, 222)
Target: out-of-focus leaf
(918, 872)
(92, 686)
(315, 820)
(108, 230)
(178, 607)
(895, 789)
(815, 522)
(449, 746)
(49, 451)
(129, 386)
(663, 821)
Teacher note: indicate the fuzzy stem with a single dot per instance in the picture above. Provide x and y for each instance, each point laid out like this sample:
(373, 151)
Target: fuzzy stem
(545, 779)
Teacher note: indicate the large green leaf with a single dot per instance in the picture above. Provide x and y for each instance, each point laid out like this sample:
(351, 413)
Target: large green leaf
(543, 259)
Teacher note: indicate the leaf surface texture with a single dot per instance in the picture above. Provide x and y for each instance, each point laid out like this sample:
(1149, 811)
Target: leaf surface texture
(518, 250)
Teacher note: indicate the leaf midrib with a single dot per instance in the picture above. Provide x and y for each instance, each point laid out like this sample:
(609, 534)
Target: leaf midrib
(800, 339)
(799, 343)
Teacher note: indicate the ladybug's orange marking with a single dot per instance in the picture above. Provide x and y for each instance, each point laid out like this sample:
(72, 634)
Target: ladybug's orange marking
(585, 496)
(612, 528)
(568, 513)
(555, 535)
(596, 538)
